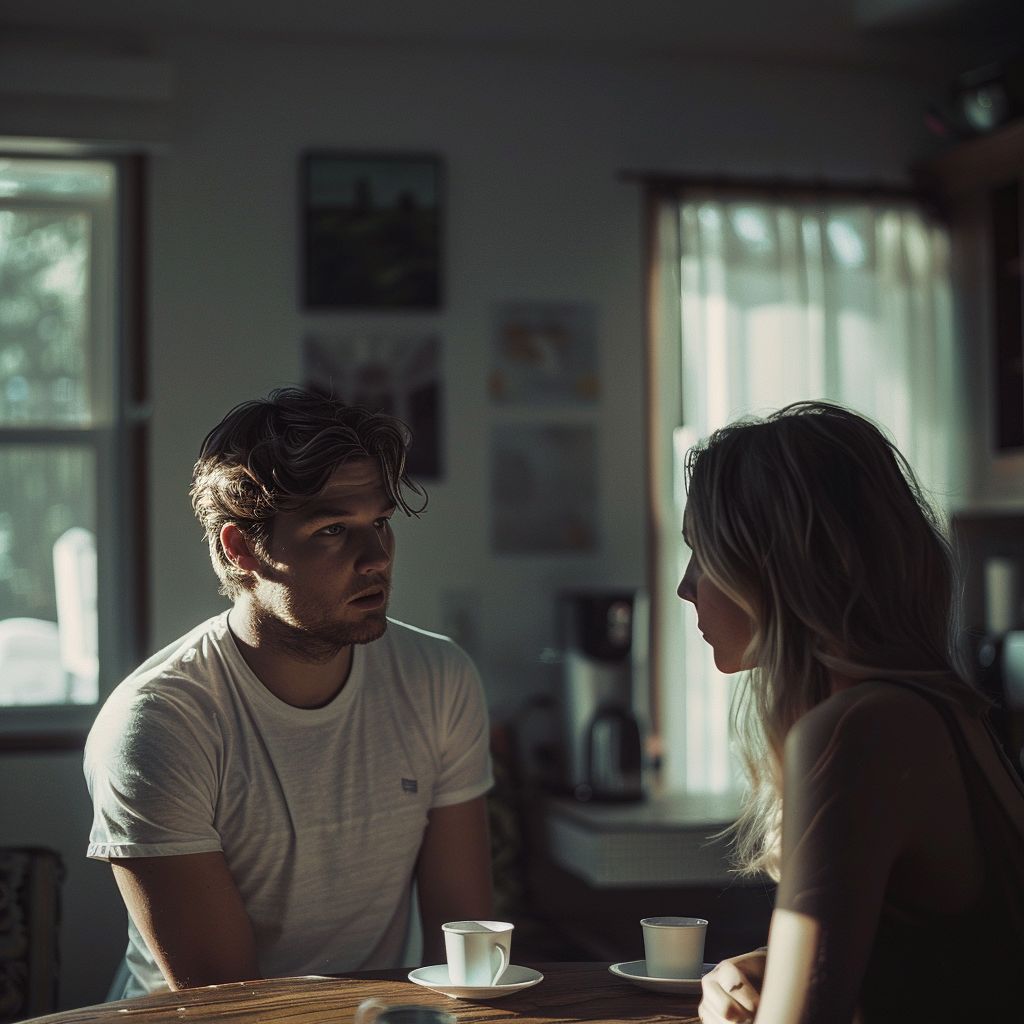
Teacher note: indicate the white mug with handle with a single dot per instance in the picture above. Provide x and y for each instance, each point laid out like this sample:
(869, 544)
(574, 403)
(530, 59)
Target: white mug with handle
(478, 952)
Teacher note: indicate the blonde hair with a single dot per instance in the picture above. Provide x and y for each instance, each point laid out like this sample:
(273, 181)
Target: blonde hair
(813, 522)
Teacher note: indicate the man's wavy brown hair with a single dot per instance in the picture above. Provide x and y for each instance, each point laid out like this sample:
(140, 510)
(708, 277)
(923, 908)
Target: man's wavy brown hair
(275, 454)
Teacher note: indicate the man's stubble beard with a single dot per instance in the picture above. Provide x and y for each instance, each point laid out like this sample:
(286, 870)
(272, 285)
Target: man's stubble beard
(321, 646)
(318, 643)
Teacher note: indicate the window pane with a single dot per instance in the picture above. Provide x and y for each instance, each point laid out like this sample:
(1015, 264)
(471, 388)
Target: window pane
(67, 180)
(44, 268)
(56, 244)
(48, 628)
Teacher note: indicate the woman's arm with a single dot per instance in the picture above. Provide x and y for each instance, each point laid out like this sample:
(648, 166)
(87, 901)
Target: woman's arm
(731, 993)
(854, 773)
(732, 990)
(867, 774)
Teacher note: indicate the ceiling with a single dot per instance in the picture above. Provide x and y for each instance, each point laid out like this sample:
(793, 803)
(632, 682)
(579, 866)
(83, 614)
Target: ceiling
(949, 35)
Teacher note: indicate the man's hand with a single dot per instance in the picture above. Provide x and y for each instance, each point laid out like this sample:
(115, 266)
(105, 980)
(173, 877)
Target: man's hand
(191, 915)
(453, 873)
(732, 990)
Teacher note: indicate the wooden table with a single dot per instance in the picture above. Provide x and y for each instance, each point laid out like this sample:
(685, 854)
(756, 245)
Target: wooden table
(569, 992)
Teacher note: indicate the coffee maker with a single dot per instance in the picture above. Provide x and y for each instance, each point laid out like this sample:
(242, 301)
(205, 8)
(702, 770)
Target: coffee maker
(601, 735)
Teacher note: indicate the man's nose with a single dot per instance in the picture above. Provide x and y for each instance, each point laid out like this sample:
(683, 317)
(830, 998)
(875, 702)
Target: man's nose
(374, 553)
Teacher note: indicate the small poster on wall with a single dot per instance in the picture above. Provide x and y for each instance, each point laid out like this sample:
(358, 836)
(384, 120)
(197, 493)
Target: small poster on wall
(545, 353)
(544, 490)
(396, 374)
(372, 227)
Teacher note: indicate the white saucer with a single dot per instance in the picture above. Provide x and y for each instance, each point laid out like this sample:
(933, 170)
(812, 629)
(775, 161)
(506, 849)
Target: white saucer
(515, 979)
(636, 972)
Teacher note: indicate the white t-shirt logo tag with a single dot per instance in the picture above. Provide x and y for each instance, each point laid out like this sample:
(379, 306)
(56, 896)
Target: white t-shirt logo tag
(408, 785)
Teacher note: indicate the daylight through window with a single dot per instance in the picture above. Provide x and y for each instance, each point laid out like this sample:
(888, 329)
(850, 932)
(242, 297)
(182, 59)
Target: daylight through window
(757, 303)
(57, 321)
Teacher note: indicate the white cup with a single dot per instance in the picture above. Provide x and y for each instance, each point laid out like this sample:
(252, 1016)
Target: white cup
(674, 946)
(478, 951)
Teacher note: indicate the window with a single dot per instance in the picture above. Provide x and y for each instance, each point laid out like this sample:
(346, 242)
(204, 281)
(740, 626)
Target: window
(758, 300)
(69, 515)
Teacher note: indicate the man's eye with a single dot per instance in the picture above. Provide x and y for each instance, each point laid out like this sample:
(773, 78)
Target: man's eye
(382, 522)
(333, 530)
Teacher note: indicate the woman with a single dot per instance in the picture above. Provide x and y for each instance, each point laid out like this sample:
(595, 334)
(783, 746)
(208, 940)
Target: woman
(879, 798)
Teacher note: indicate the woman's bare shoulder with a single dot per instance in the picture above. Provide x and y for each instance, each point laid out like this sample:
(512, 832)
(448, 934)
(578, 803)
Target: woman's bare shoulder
(874, 716)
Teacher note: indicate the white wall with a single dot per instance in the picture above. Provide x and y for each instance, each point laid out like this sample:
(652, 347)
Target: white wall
(533, 144)
(44, 802)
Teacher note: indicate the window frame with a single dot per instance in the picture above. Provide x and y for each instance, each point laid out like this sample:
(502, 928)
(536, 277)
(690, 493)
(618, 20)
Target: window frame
(120, 449)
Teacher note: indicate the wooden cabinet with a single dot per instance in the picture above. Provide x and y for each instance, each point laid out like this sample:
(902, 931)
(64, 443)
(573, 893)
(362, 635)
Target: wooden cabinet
(977, 166)
(979, 186)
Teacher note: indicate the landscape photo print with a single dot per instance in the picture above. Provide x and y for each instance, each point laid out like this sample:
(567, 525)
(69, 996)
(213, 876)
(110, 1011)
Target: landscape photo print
(372, 227)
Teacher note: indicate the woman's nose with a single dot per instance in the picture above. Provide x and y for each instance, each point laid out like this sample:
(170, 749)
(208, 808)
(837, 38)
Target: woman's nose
(687, 590)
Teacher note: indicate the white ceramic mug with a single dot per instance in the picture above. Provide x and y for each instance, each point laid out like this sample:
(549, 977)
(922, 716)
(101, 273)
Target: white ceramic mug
(674, 946)
(478, 951)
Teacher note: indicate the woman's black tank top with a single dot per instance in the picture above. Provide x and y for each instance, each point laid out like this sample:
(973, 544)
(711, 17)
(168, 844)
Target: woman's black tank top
(965, 967)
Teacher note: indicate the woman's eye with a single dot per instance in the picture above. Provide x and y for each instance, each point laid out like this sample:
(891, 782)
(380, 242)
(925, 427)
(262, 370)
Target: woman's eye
(333, 530)
(383, 521)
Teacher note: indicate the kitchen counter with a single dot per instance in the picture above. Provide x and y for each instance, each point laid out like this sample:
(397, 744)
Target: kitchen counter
(664, 841)
(596, 869)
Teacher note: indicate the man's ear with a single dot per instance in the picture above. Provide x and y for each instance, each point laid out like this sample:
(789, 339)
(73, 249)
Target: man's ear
(237, 549)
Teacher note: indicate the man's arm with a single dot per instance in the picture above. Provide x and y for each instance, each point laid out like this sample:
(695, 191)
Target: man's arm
(453, 873)
(189, 911)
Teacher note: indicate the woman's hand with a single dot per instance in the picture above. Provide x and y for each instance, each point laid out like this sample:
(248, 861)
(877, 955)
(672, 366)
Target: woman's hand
(731, 992)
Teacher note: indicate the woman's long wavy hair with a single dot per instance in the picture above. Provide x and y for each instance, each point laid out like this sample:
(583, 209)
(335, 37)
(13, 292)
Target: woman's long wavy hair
(813, 522)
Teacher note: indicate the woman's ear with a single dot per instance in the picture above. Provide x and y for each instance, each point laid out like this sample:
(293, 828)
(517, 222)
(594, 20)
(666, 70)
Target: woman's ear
(237, 549)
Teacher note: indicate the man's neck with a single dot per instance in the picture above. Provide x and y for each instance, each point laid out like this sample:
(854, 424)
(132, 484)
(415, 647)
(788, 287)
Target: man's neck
(298, 682)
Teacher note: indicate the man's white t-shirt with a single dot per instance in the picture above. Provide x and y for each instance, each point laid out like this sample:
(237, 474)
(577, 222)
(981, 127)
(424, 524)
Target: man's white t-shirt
(319, 813)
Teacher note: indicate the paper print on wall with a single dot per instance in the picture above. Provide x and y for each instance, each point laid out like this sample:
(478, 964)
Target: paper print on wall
(545, 353)
(544, 489)
(372, 231)
(396, 374)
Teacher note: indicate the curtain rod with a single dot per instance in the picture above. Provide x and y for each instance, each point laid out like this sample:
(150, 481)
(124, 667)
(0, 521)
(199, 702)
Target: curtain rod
(668, 182)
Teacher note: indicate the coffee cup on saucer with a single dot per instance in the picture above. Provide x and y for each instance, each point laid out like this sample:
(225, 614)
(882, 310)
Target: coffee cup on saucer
(478, 951)
(674, 946)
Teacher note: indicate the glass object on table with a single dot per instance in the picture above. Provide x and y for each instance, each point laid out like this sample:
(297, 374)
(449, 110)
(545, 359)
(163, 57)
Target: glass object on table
(375, 1011)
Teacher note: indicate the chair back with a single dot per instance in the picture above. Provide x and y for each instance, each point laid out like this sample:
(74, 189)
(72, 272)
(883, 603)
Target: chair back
(30, 881)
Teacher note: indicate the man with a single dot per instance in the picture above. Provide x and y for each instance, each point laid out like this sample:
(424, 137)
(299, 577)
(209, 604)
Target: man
(268, 787)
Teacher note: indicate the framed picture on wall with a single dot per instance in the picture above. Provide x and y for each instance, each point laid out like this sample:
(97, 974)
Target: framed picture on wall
(544, 488)
(372, 231)
(545, 353)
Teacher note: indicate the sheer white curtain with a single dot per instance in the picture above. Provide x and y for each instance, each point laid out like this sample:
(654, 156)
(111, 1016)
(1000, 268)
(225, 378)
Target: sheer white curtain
(758, 303)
